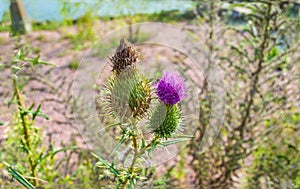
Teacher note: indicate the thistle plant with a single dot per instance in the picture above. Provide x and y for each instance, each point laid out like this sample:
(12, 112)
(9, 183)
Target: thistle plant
(27, 159)
(137, 102)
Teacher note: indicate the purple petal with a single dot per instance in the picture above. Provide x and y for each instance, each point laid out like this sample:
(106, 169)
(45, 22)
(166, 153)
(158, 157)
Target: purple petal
(171, 88)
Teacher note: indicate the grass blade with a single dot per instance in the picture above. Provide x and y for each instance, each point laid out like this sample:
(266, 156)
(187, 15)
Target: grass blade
(15, 174)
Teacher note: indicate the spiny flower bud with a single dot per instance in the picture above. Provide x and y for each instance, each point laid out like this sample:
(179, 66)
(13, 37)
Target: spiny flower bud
(130, 95)
(140, 98)
(165, 120)
(127, 93)
(125, 56)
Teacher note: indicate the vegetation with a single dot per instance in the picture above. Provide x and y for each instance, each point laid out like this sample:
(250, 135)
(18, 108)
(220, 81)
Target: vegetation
(253, 44)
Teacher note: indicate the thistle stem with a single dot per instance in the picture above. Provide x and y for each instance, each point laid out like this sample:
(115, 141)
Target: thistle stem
(137, 153)
(26, 130)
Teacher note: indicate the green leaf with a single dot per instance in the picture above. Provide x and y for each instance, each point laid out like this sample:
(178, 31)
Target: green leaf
(15, 174)
(184, 136)
(35, 113)
(10, 102)
(39, 159)
(16, 68)
(36, 61)
(291, 146)
(109, 126)
(32, 105)
(131, 183)
(122, 140)
(107, 165)
(143, 143)
(24, 146)
(152, 147)
(19, 56)
(273, 53)
(52, 153)
(63, 150)
(175, 141)
(1, 123)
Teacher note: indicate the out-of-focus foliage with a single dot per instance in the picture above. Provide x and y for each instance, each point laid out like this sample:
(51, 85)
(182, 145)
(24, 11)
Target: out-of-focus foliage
(258, 146)
(28, 158)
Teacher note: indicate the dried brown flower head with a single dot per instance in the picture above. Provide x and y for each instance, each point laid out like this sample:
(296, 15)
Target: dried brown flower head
(125, 56)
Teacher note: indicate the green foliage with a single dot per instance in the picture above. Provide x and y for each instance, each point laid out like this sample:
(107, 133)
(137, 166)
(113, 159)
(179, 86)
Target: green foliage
(276, 160)
(28, 159)
(16, 175)
(259, 67)
(74, 64)
(5, 22)
(85, 31)
(22, 127)
(165, 16)
(47, 25)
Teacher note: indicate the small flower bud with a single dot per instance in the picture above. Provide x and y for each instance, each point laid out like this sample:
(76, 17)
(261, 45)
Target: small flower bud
(165, 120)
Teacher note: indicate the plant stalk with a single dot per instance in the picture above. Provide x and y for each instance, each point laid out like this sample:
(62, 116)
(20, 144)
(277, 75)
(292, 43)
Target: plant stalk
(26, 131)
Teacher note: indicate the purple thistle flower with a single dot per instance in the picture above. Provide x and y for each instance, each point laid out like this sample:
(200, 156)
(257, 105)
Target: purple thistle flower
(171, 88)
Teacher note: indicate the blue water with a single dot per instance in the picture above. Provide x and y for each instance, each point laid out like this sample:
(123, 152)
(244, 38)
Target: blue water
(57, 10)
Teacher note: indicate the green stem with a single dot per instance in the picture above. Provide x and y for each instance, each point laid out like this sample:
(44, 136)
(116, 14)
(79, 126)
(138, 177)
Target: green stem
(26, 130)
(137, 154)
(260, 56)
(135, 148)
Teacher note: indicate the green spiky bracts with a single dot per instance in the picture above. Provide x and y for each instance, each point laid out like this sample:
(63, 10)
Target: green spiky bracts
(165, 120)
(128, 93)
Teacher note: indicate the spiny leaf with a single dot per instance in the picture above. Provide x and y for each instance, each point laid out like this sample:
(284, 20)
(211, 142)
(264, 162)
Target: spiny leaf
(109, 126)
(35, 113)
(32, 105)
(24, 146)
(107, 165)
(37, 61)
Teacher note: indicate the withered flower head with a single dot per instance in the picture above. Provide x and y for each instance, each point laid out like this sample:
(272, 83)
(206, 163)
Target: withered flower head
(127, 93)
(125, 56)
